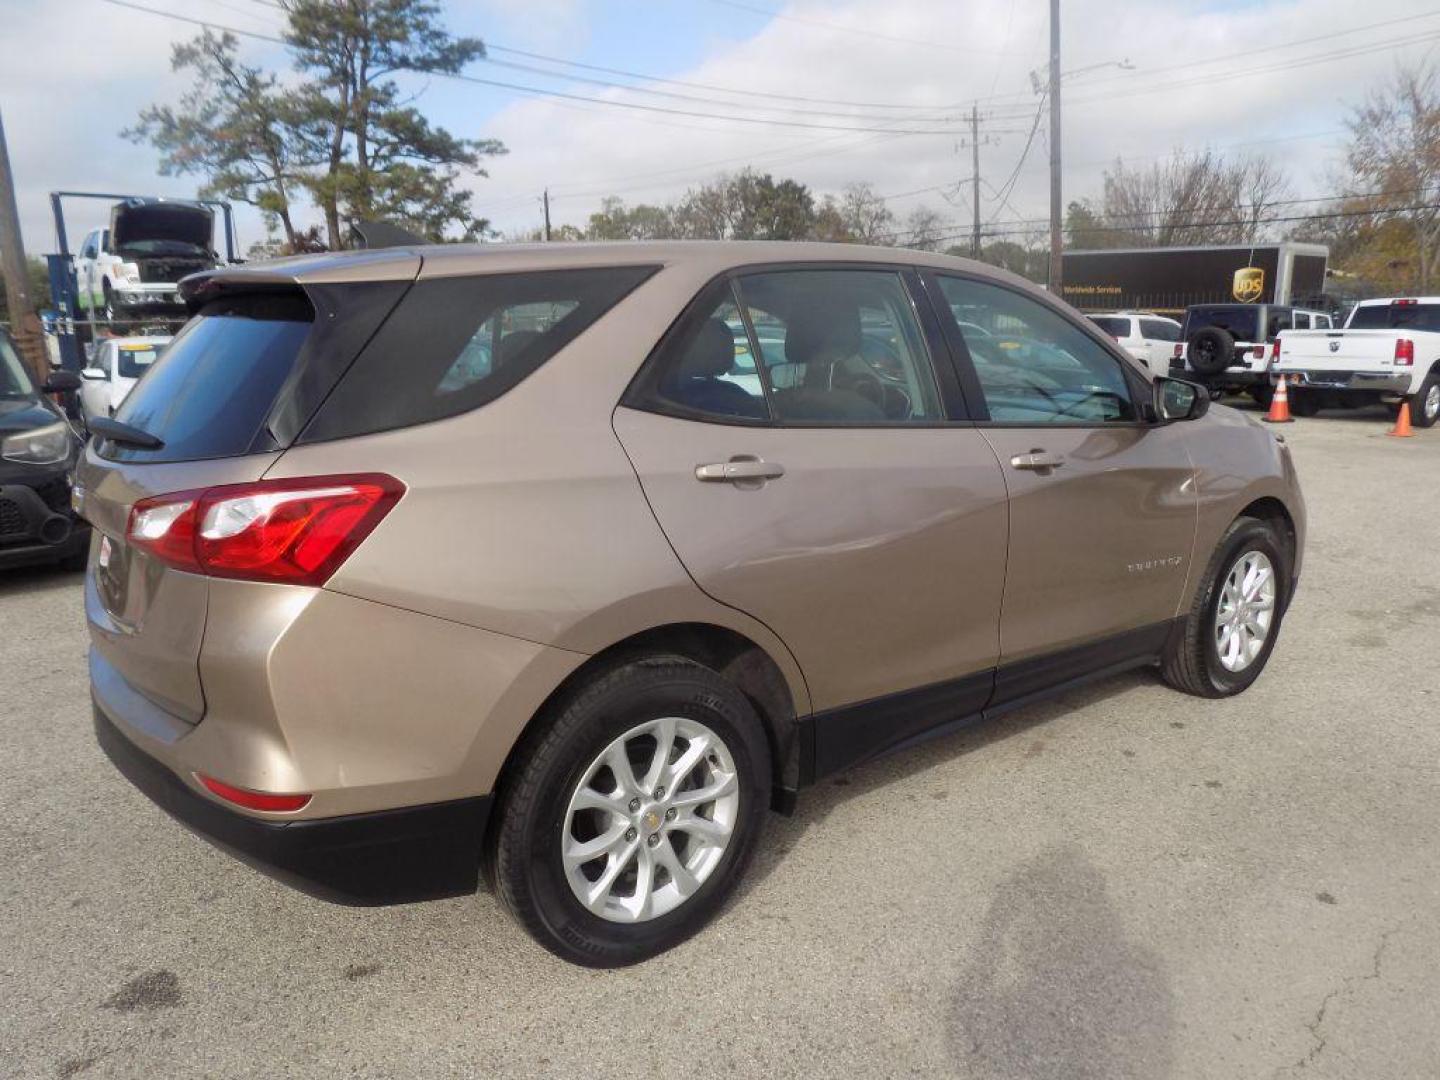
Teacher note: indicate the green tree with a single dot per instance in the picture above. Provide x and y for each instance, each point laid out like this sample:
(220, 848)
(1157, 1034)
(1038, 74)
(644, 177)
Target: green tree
(381, 158)
(746, 206)
(235, 126)
(615, 221)
(39, 288)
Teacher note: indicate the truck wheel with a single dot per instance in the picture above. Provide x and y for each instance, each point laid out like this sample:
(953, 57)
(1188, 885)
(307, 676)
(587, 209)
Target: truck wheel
(109, 310)
(1305, 402)
(1263, 393)
(1210, 350)
(1425, 403)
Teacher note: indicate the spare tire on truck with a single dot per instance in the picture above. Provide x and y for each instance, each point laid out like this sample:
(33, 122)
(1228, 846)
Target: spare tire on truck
(1210, 350)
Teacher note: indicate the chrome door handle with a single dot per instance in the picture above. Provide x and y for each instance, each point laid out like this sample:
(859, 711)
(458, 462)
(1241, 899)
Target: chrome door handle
(739, 469)
(1037, 460)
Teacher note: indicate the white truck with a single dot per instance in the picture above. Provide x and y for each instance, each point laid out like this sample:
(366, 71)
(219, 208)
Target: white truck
(1388, 350)
(130, 270)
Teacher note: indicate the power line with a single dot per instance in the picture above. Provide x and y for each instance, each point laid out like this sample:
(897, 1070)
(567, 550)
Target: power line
(541, 92)
(868, 34)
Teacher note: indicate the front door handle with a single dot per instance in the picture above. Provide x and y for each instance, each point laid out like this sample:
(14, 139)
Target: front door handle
(1037, 460)
(740, 469)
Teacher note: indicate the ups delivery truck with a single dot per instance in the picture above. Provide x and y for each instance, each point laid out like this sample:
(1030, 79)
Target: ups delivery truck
(1168, 280)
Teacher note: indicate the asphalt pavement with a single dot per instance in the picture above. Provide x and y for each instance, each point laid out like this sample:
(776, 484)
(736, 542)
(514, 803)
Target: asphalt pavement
(1124, 883)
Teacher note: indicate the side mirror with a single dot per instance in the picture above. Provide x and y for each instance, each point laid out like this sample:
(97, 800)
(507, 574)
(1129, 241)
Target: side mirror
(94, 374)
(60, 382)
(1176, 399)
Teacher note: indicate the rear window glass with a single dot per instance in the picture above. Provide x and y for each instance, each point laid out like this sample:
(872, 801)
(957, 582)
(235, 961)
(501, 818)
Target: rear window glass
(211, 390)
(455, 343)
(1394, 316)
(1159, 330)
(1115, 326)
(1240, 322)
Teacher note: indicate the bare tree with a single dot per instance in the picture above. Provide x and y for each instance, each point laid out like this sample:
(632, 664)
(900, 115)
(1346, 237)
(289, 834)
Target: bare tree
(1394, 160)
(865, 216)
(924, 229)
(1198, 198)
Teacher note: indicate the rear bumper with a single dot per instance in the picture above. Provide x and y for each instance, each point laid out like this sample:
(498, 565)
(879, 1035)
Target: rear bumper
(384, 857)
(1382, 382)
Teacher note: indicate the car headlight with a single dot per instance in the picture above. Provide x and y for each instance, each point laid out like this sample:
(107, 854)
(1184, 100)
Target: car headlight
(43, 446)
(127, 273)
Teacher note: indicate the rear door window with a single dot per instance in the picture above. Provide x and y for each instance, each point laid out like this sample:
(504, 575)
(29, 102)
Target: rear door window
(1159, 330)
(1117, 326)
(211, 391)
(455, 343)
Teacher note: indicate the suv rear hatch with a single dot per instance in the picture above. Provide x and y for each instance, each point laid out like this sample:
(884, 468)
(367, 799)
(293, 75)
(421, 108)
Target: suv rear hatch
(230, 393)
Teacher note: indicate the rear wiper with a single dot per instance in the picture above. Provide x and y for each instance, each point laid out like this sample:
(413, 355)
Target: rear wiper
(115, 431)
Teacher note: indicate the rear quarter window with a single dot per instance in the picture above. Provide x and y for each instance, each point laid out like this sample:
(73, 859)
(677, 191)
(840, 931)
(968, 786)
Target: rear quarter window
(1117, 326)
(455, 343)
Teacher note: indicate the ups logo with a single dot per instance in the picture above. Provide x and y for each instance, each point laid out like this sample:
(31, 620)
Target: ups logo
(1249, 284)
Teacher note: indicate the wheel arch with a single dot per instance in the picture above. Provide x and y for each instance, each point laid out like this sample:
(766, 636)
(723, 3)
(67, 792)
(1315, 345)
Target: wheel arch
(728, 653)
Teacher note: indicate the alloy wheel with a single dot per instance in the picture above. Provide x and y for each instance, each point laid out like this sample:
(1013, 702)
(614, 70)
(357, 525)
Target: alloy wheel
(1431, 405)
(650, 820)
(1246, 610)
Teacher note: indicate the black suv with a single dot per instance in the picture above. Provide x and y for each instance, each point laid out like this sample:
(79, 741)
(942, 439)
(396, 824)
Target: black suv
(1227, 346)
(37, 455)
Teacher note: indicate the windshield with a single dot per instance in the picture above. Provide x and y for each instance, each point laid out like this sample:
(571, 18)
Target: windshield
(1395, 316)
(161, 247)
(14, 380)
(134, 359)
(1240, 322)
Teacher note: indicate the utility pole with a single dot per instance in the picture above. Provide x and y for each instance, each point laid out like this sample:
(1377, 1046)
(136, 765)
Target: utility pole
(547, 215)
(975, 178)
(1056, 275)
(23, 320)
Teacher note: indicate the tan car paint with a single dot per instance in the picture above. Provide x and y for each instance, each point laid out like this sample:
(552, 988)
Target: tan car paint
(879, 557)
(525, 543)
(1101, 544)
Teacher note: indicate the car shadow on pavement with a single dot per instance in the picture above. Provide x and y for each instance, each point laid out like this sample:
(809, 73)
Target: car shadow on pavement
(34, 579)
(894, 770)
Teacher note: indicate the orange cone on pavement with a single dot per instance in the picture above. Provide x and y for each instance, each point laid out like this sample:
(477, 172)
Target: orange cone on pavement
(1401, 430)
(1279, 405)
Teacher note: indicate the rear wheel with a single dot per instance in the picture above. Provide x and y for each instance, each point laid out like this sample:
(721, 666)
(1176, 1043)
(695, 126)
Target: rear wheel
(1425, 403)
(628, 823)
(1228, 636)
(1263, 394)
(1305, 403)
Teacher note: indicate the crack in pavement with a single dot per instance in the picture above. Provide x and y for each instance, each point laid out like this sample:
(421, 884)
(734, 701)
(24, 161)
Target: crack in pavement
(1346, 984)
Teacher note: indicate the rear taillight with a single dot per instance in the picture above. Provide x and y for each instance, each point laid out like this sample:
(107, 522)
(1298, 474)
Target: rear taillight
(253, 800)
(1258, 352)
(1179, 350)
(1275, 351)
(295, 532)
(1404, 352)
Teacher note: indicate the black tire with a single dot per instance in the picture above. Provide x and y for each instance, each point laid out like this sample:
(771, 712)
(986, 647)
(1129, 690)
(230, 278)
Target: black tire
(525, 863)
(1419, 417)
(1210, 350)
(1263, 394)
(1191, 661)
(111, 314)
(1305, 403)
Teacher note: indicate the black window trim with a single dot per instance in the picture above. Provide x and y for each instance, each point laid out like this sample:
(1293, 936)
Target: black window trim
(643, 392)
(1139, 384)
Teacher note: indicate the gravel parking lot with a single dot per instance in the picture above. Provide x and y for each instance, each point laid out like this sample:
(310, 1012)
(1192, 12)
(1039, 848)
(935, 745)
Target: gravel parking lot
(1124, 883)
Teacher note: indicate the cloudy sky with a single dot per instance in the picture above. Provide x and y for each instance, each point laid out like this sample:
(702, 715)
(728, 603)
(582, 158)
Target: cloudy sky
(825, 91)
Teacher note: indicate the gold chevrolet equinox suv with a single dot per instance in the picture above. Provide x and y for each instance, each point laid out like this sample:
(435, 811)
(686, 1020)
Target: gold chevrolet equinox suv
(565, 563)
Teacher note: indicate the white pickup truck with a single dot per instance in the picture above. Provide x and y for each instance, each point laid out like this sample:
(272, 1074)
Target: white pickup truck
(1388, 350)
(130, 270)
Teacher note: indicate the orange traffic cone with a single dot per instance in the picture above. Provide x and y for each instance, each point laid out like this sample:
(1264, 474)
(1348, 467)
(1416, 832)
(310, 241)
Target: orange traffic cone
(1401, 430)
(1279, 405)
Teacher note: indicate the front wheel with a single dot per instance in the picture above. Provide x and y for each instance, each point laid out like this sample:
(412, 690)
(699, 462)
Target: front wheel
(1228, 636)
(1425, 403)
(630, 820)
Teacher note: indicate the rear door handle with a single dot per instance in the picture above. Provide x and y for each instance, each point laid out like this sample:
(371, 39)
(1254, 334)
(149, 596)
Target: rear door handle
(740, 469)
(1037, 460)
